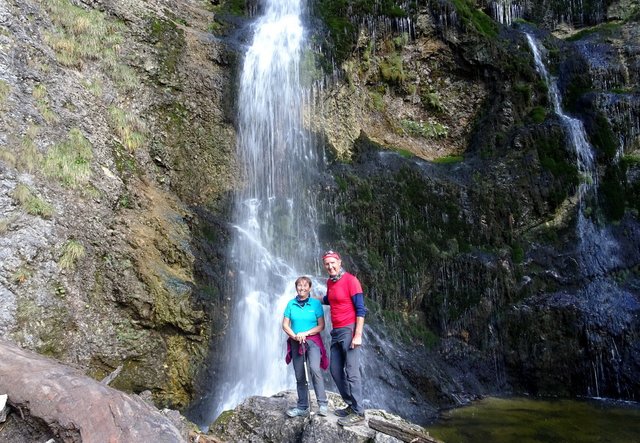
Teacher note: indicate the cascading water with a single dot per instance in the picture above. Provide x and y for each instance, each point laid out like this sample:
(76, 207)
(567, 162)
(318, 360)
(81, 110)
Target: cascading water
(274, 231)
(506, 11)
(598, 251)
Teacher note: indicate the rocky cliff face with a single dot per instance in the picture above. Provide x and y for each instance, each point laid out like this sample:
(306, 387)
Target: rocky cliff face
(115, 161)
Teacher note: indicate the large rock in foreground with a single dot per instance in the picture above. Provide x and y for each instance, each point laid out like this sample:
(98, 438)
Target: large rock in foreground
(76, 408)
(263, 419)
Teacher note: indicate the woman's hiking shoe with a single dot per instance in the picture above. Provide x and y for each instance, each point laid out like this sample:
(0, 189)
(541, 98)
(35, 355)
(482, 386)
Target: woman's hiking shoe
(323, 410)
(297, 412)
(344, 412)
(351, 419)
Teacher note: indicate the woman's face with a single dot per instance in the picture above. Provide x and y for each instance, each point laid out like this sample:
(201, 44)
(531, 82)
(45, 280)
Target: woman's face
(304, 288)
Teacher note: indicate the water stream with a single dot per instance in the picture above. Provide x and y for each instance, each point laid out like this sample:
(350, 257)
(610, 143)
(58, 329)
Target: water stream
(598, 250)
(275, 217)
(598, 253)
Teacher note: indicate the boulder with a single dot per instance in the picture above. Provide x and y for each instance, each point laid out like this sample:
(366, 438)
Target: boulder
(263, 419)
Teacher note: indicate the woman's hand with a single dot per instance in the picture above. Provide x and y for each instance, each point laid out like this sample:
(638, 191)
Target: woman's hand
(301, 337)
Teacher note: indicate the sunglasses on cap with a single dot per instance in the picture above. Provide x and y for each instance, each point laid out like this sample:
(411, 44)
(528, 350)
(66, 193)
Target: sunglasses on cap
(331, 254)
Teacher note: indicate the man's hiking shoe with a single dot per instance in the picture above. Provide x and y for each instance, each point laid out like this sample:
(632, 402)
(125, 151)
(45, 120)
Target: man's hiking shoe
(351, 419)
(323, 410)
(344, 412)
(297, 412)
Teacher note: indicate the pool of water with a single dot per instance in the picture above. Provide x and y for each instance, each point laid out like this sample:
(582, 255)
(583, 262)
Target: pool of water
(523, 420)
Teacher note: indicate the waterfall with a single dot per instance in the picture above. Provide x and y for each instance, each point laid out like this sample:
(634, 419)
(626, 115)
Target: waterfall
(275, 217)
(598, 250)
(598, 253)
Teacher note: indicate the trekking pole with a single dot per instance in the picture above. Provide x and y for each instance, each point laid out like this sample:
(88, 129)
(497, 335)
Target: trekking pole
(305, 348)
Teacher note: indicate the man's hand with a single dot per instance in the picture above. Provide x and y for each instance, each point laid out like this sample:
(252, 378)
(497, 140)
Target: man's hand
(356, 341)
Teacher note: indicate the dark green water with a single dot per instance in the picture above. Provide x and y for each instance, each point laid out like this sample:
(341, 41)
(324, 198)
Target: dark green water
(521, 420)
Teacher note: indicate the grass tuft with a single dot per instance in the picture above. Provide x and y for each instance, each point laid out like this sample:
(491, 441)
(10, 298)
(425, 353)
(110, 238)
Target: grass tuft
(128, 127)
(7, 157)
(72, 251)
(30, 158)
(31, 203)
(82, 35)
(425, 129)
(5, 89)
(391, 69)
(70, 161)
(21, 275)
(42, 103)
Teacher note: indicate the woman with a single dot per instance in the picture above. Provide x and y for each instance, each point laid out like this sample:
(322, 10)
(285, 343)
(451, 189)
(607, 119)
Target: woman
(303, 321)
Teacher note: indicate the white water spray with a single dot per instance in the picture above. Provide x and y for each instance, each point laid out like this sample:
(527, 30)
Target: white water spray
(274, 214)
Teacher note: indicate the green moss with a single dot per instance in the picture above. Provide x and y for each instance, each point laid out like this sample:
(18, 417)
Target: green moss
(223, 418)
(630, 160)
(409, 328)
(168, 40)
(342, 17)
(553, 157)
(523, 91)
(602, 137)
(342, 33)
(517, 253)
(405, 153)
(425, 129)
(341, 182)
(538, 114)
(48, 328)
(234, 7)
(603, 29)
(449, 159)
(475, 19)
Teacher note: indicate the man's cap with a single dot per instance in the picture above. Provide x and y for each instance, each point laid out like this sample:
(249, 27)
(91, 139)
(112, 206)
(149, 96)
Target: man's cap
(331, 254)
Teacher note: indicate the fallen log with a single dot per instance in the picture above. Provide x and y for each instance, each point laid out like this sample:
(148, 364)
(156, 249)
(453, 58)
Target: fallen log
(75, 407)
(401, 432)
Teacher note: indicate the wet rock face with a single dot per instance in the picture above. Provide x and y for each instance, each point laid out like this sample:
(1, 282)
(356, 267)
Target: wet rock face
(582, 343)
(114, 170)
(447, 252)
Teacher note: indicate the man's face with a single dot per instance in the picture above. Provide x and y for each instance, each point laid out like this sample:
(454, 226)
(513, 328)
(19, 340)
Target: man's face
(332, 265)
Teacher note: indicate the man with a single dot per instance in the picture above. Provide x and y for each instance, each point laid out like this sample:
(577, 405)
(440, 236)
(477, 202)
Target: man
(345, 297)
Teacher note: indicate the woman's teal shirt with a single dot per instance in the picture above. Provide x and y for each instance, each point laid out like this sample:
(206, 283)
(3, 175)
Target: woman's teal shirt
(303, 316)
